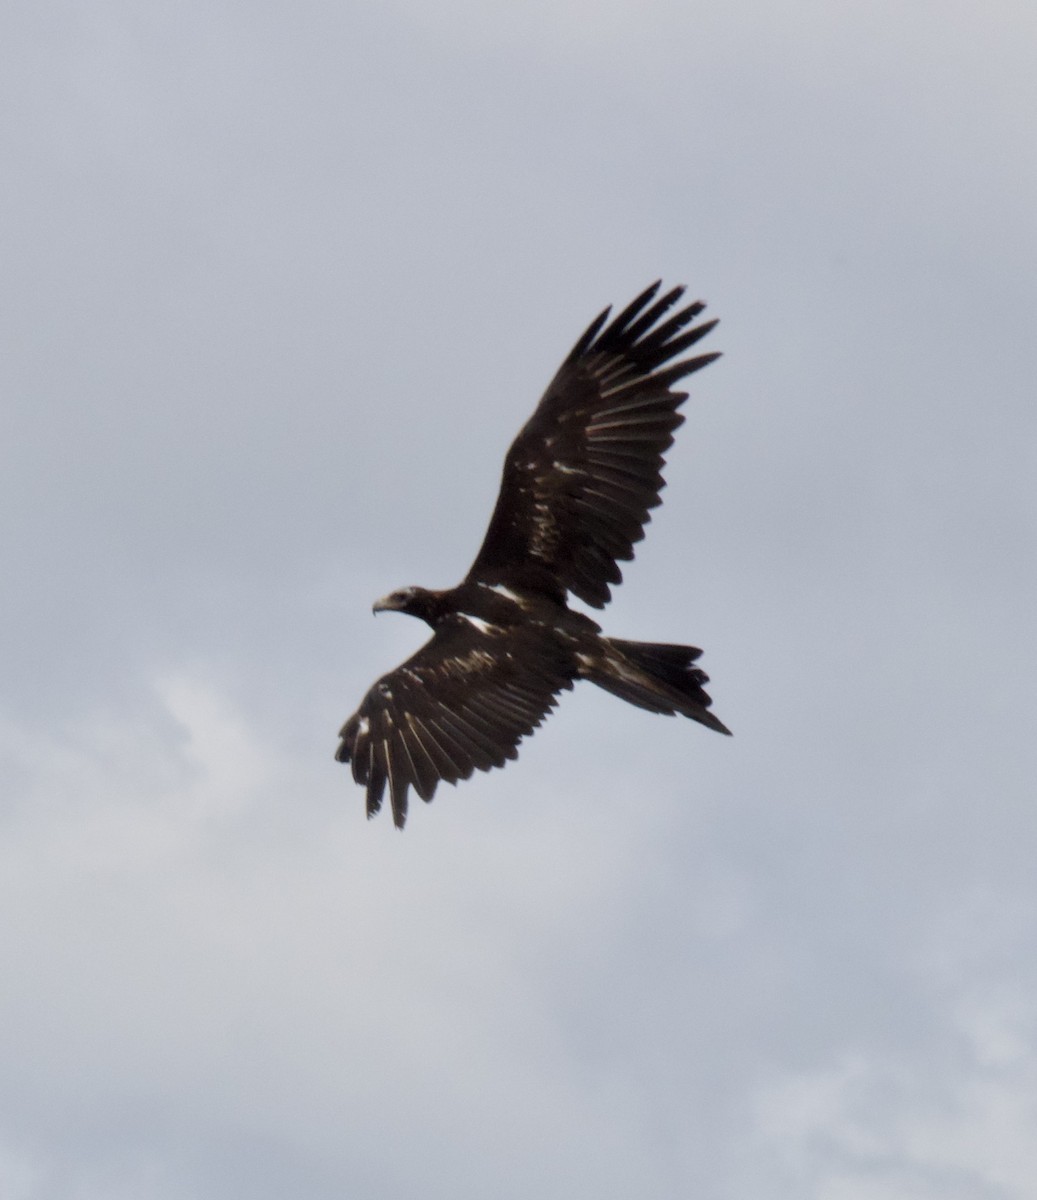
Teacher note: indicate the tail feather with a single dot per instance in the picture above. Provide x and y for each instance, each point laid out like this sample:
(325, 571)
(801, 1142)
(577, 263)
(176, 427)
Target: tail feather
(655, 676)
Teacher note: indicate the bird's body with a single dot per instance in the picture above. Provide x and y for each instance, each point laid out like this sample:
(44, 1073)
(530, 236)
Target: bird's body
(578, 484)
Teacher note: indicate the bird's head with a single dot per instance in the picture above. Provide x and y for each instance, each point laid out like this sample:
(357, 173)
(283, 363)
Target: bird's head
(416, 601)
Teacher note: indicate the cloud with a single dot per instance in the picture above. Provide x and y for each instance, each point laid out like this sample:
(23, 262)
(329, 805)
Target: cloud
(958, 1125)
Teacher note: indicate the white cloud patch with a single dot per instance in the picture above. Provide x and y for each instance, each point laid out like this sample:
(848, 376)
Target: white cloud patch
(960, 1124)
(192, 951)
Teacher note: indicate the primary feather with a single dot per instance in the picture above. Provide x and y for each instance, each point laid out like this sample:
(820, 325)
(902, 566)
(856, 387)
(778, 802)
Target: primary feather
(581, 477)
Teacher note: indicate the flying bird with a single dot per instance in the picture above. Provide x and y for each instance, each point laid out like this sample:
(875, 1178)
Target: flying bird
(578, 484)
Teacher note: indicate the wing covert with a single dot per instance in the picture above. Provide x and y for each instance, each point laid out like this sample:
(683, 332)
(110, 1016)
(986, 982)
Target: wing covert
(463, 702)
(583, 474)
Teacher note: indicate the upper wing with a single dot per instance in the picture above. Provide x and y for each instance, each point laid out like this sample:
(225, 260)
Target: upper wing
(464, 701)
(583, 473)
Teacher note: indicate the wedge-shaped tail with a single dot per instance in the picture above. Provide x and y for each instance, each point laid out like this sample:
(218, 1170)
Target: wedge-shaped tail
(655, 676)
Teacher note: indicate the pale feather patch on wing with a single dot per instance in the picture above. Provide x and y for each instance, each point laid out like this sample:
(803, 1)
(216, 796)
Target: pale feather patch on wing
(506, 592)
(462, 703)
(478, 623)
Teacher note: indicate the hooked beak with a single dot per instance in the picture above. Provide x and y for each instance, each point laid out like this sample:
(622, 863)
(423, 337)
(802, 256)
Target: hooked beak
(384, 605)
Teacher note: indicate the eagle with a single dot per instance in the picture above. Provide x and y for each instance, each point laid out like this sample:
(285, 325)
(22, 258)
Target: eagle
(578, 485)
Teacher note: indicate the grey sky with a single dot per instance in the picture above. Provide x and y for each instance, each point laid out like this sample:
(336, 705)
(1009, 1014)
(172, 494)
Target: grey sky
(279, 287)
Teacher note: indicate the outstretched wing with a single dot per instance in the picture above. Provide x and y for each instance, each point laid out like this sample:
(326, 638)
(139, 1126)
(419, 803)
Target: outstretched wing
(462, 703)
(580, 478)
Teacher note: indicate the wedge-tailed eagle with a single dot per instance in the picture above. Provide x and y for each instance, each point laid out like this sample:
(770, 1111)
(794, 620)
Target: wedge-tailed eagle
(578, 484)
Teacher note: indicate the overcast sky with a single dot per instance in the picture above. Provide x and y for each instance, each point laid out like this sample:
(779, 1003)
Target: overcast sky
(279, 286)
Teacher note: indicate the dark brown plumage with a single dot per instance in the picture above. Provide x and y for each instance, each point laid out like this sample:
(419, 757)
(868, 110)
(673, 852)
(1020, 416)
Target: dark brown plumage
(578, 486)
